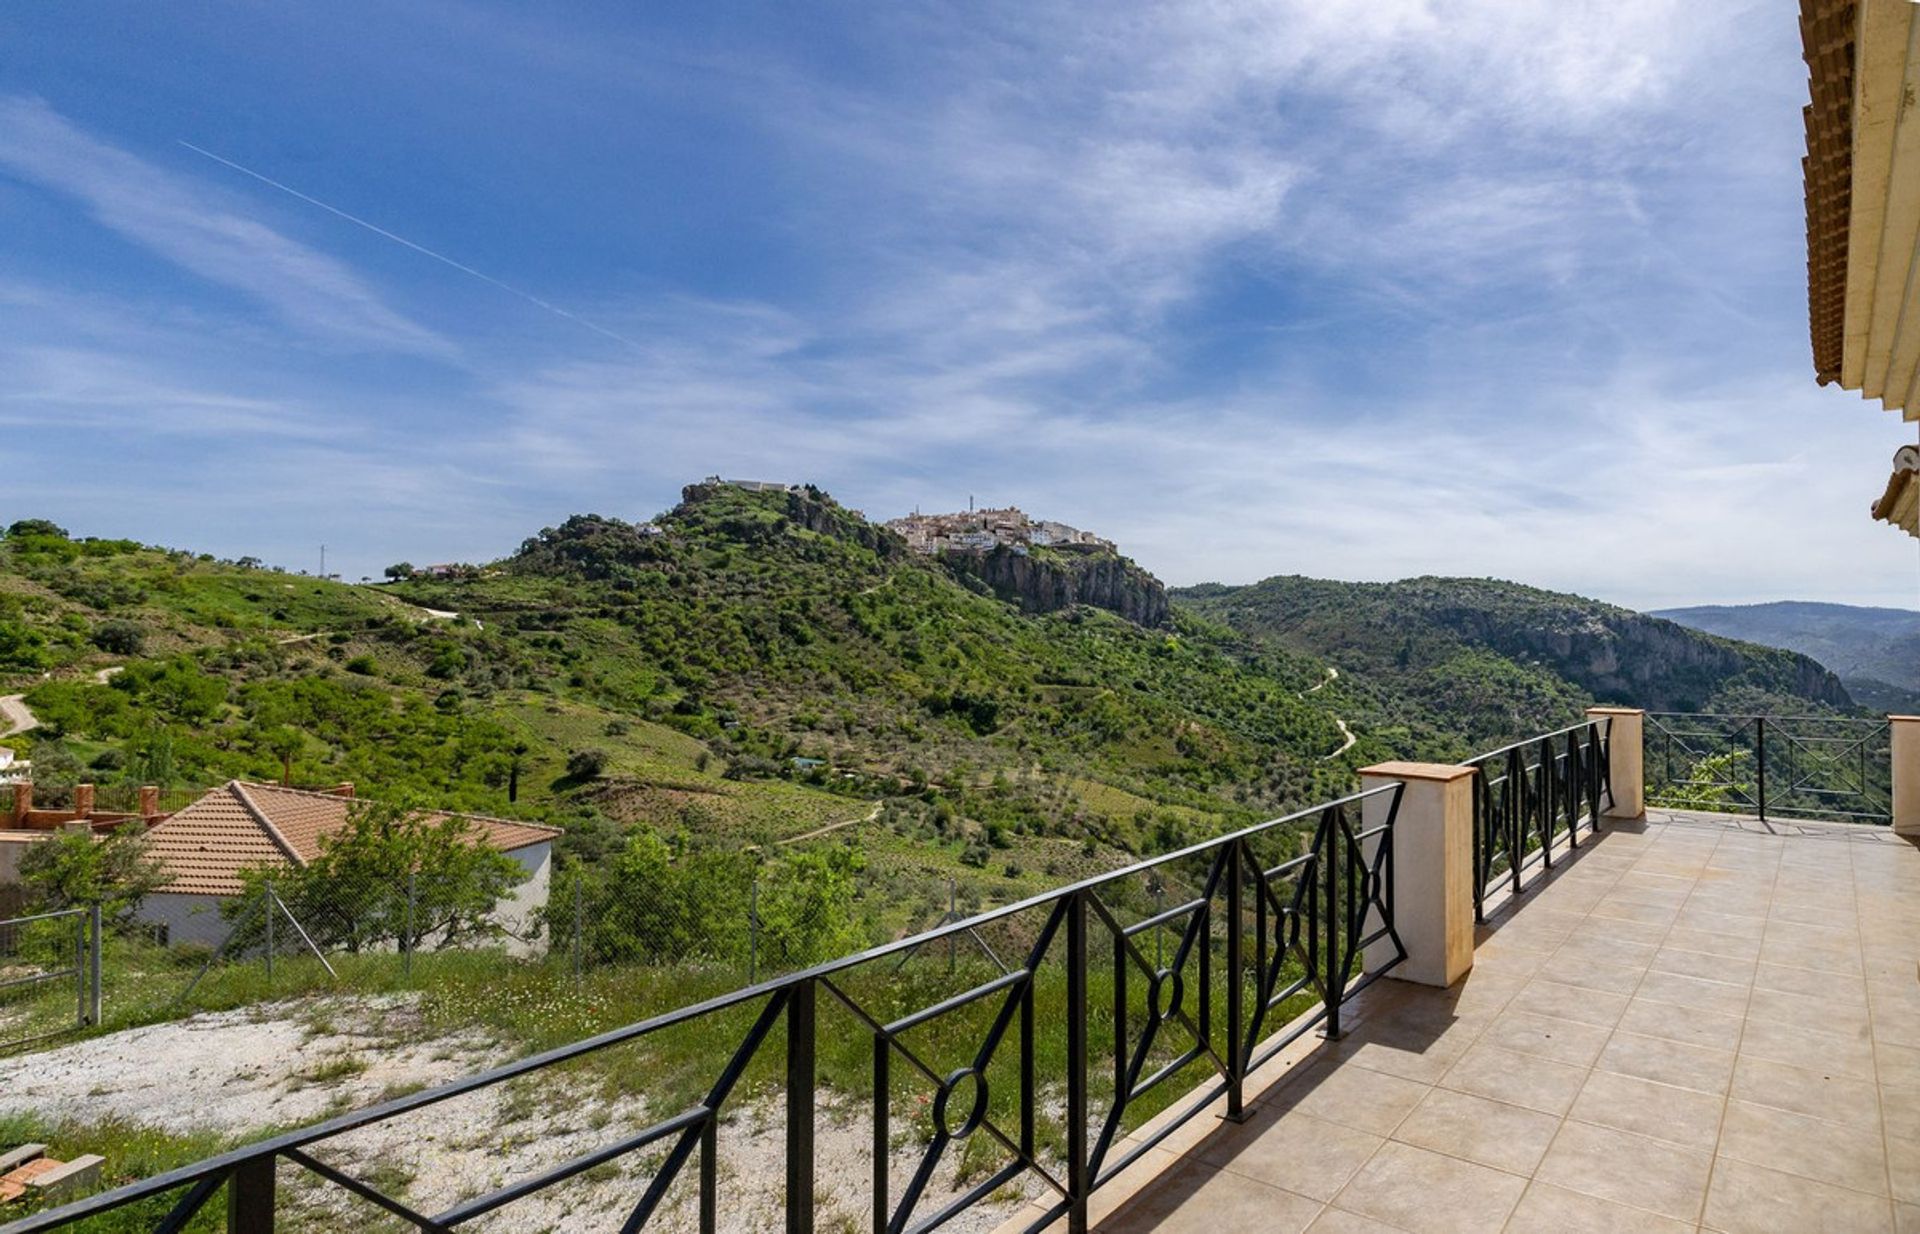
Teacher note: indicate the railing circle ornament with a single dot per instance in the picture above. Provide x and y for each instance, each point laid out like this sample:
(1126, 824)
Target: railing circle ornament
(1164, 994)
(943, 1103)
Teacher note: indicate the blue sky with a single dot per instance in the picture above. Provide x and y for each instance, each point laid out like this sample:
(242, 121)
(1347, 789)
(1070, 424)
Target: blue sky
(1353, 288)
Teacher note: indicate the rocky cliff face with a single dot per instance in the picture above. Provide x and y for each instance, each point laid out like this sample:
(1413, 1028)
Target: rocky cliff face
(1617, 654)
(1050, 581)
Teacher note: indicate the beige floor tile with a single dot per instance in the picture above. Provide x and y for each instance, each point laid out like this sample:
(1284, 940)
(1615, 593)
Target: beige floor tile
(1900, 1105)
(1816, 1094)
(1801, 1010)
(1903, 1167)
(1197, 1200)
(1844, 961)
(1627, 1169)
(1845, 993)
(1898, 1065)
(1295, 1152)
(1609, 978)
(1701, 1068)
(1338, 1221)
(1354, 1097)
(1420, 1190)
(1546, 996)
(1695, 1027)
(1746, 950)
(1801, 914)
(1594, 948)
(1506, 1137)
(1703, 965)
(1518, 1079)
(1847, 1054)
(1699, 916)
(1562, 1041)
(1906, 1218)
(1680, 1116)
(1848, 1156)
(1546, 1209)
(1726, 998)
(1751, 1199)
(1616, 907)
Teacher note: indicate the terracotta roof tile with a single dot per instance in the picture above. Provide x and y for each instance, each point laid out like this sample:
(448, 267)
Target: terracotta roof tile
(241, 826)
(1827, 41)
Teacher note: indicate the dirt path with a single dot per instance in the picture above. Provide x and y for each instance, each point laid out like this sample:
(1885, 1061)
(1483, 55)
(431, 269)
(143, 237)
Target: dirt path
(19, 718)
(830, 828)
(103, 676)
(1333, 674)
(1345, 745)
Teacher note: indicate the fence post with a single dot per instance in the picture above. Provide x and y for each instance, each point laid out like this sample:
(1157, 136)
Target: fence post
(93, 1000)
(1078, 1185)
(1237, 1053)
(1626, 759)
(1904, 749)
(406, 957)
(579, 926)
(1760, 758)
(1432, 860)
(753, 931)
(266, 902)
(800, 1081)
(953, 915)
(250, 1197)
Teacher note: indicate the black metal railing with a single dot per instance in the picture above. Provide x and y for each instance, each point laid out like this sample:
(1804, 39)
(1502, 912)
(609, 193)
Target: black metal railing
(1267, 947)
(1831, 768)
(1526, 795)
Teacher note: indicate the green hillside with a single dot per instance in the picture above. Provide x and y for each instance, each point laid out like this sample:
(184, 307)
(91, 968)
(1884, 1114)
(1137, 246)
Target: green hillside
(1876, 651)
(767, 668)
(1449, 665)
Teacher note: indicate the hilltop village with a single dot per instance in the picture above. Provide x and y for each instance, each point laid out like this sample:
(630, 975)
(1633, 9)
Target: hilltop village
(987, 529)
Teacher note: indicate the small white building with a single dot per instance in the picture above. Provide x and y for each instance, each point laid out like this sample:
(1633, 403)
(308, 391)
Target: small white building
(239, 826)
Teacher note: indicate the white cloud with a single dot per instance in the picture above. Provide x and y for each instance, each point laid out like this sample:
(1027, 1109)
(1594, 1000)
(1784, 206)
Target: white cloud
(194, 228)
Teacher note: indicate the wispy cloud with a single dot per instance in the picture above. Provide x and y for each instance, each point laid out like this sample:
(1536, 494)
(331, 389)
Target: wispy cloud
(198, 230)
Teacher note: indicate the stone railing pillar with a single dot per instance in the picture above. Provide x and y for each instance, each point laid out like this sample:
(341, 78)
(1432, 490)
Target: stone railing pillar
(1432, 868)
(149, 800)
(1906, 774)
(83, 800)
(22, 802)
(1626, 758)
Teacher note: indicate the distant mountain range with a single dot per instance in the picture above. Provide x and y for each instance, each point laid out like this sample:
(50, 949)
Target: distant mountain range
(1876, 651)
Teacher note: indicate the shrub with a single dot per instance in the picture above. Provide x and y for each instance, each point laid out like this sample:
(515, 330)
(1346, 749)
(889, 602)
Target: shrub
(120, 638)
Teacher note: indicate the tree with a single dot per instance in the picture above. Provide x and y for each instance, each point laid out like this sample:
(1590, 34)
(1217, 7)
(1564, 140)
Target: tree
(586, 764)
(285, 744)
(399, 571)
(120, 638)
(27, 528)
(71, 869)
(355, 894)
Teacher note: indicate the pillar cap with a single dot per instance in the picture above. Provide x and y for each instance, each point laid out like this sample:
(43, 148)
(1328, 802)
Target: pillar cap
(1617, 711)
(1417, 771)
(1906, 719)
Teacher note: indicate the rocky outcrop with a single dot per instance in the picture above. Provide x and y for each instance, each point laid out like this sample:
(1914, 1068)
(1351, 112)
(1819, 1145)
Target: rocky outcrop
(1618, 654)
(1047, 581)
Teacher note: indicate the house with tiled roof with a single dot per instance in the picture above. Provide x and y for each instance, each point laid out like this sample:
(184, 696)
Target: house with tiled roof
(206, 847)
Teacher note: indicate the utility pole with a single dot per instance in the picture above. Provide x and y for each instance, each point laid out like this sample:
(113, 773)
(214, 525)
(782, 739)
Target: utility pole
(323, 561)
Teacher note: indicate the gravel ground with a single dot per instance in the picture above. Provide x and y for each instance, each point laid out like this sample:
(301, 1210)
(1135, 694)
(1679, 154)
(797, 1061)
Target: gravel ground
(284, 1064)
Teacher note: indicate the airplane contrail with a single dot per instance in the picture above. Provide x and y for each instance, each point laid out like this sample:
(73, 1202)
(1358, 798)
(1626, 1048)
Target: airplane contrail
(424, 251)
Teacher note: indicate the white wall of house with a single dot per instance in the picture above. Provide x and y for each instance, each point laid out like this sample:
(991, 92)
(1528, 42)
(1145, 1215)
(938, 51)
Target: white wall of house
(519, 912)
(184, 918)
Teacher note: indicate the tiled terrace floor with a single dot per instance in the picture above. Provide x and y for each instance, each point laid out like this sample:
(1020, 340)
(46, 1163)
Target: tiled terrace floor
(1698, 1023)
